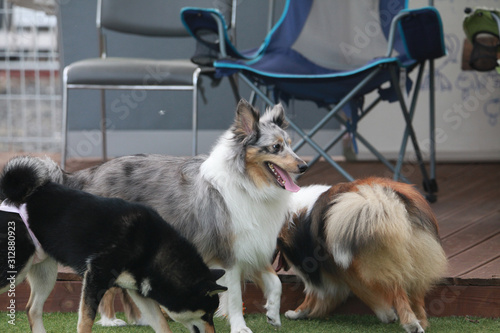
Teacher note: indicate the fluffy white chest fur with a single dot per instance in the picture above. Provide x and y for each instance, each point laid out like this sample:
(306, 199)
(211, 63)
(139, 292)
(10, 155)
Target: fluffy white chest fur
(257, 214)
(256, 229)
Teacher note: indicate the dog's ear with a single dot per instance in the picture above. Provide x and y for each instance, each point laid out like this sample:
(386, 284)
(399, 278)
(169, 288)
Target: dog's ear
(246, 124)
(212, 288)
(215, 289)
(278, 116)
(217, 273)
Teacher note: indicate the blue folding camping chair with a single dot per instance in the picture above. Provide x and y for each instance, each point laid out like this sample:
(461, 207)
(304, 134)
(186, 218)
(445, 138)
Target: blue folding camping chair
(334, 53)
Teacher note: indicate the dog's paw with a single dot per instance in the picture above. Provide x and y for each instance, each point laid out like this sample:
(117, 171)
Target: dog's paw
(294, 315)
(241, 330)
(111, 322)
(274, 321)
(413, 328)
(273, 315)
(387, 316)
(140, 322)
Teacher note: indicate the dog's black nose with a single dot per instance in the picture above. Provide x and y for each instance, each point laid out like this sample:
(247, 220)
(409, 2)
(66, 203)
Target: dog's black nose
(303, 167)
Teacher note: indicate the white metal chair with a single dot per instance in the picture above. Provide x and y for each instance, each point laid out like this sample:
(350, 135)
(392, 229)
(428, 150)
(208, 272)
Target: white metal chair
(156, 18)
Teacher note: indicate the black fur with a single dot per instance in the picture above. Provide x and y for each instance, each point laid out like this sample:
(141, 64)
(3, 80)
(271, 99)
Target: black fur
(101, 238)
(306, 250)
(12, 229)
(21, 184)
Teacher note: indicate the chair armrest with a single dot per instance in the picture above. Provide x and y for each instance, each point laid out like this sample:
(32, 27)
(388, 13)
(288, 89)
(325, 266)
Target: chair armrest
(421, 31)
(209, 28)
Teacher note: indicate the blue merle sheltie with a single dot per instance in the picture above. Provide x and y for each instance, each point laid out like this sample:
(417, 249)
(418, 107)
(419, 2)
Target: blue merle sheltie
(108, 241)
(231, 203)
(374, 237)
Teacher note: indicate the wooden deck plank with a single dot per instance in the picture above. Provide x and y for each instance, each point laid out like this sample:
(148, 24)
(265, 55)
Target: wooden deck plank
(462, 198)
(462, 218)
(488, 271)
(475, 257)
(470, 236)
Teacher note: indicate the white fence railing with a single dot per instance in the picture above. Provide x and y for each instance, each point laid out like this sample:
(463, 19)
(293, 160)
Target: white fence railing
(30, 98)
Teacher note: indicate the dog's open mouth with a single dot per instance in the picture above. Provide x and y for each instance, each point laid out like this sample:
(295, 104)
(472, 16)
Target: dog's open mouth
(282, 177)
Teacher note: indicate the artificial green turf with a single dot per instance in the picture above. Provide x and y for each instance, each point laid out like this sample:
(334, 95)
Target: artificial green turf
(66, 322)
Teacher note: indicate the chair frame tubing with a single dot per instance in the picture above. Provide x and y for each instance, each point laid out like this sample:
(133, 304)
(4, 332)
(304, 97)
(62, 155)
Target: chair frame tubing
(103, 126)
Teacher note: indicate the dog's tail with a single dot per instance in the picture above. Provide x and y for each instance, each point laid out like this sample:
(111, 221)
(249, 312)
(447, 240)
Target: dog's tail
(376, 212)
(22, 175)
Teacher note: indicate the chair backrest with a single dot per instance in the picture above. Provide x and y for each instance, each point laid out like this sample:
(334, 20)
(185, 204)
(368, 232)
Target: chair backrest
(336, 34)
(148, 17)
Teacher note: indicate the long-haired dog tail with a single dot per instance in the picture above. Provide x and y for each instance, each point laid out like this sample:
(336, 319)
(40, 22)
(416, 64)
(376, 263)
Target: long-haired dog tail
(22, 175)
(373, 213)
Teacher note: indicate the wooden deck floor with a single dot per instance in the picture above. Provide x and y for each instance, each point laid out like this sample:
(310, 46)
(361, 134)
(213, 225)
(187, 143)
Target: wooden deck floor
(468, 211)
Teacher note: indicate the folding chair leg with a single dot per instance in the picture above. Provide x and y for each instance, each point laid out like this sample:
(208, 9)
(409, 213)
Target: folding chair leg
(372, 149)
(320, 151)
(345, 131)
(433, 187)
(426, 182)
(380, 157)
(332, 143)
(404, 142)
(103, 126)
(234, 87)
(337, 107)
(196, 75)
(253, 98)
(64, 123)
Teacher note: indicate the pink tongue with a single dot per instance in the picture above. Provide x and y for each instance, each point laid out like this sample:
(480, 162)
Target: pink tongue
(289, 184)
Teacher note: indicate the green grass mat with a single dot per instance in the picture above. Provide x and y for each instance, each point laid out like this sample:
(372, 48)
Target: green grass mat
(66, 322)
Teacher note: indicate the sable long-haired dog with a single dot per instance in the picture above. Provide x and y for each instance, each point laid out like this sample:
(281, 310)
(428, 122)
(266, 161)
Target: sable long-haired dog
(375, 237)
(230, 204)
(109, 241)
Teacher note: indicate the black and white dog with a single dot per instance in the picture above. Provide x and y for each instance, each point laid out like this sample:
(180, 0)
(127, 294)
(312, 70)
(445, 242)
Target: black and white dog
(109, 241)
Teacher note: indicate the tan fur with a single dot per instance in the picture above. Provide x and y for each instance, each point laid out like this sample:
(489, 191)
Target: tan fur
(382, 236)
(258, 171)
(417, 303)
(107, 305)
(256, 168)
(322, 305)
(209, 329)
(85, 321)
(131, 310)
(309, 304)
